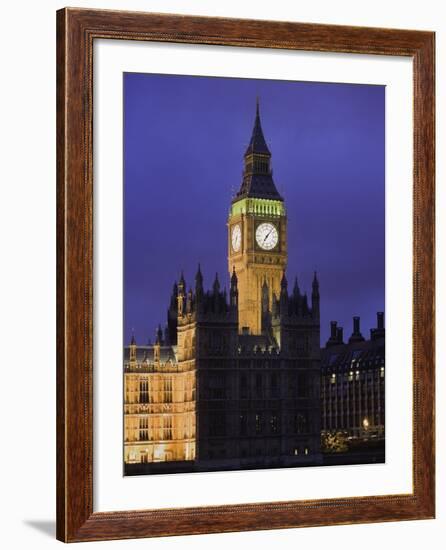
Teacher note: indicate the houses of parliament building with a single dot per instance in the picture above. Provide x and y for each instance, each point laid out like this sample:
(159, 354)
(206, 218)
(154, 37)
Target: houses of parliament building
(233, 379)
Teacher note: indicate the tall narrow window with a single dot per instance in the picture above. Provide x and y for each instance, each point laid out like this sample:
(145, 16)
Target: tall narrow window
(274, 423)
(259, 388)
(274, 386)
(168, 390)
(144, 429)
(243, 387)
(167, 428)
(302, 385)
(144, 390)
(259, 423)
(243, 424)
(300, 423)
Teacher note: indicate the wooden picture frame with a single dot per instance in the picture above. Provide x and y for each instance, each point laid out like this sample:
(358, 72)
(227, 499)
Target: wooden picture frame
(76, 31)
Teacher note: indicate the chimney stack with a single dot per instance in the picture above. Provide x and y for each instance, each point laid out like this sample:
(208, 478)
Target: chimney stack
(380, 331)
(340, 335)
(333, 340)
(356, 334)
(380, 319)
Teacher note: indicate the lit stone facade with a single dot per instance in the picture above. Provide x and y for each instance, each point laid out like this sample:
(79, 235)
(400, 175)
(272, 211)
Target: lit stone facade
(159, 405)
(353, 383)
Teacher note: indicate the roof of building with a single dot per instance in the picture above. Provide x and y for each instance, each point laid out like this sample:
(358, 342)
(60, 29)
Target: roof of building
(146, 353)
(259, 186)
(354, 356)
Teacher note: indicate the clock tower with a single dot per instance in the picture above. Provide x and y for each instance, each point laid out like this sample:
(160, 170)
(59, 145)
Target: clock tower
(257, 241)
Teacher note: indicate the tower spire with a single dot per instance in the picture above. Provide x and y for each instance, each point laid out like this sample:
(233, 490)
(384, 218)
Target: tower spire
(233, 277)
(296, 290)
(284, 282)
(181, 295)
(257, 143)
(233, 294)
(257, 175)
(159, 335)
(133, 349)
(315, 298)
(182, 283)
(199, 281)
(315, 287)
(216, 285)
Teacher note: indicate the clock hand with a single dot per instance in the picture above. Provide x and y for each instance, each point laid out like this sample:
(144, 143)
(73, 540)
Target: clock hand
(267, 235)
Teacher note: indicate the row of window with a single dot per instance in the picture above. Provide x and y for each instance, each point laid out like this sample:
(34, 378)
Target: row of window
(351, 421)
(146, 397)
(354, 375)
(334, 391)
(378, 416)
(159, 434)
(261, 423)
(355, 357)
(345, 395)
(259, 165)
(260, 452)
(159, 428)
(258, 386)
(351, 407)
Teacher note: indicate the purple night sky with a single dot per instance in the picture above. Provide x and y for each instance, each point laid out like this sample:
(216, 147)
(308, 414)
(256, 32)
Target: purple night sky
(184, 139)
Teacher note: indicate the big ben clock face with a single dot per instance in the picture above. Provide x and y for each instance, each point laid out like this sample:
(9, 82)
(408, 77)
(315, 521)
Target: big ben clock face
(267, 236)
(236, 238)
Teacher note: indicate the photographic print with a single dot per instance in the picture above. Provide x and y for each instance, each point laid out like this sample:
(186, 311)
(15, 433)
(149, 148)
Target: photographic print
(254, 274)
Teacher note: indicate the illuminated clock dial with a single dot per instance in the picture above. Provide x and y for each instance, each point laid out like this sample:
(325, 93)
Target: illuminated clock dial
(267, 236)
(236, 238)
